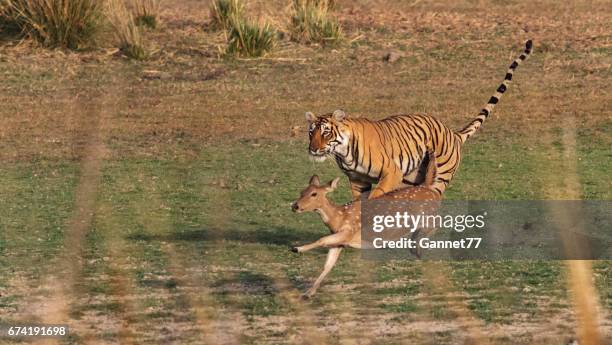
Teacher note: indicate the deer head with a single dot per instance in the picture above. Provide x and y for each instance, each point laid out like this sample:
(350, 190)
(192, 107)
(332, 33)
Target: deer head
(315, 195)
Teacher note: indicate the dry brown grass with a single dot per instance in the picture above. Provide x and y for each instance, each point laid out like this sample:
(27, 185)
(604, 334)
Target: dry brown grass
(222, 12)
(311, 21)
(126, 30)
(69, 24)
(146, 12)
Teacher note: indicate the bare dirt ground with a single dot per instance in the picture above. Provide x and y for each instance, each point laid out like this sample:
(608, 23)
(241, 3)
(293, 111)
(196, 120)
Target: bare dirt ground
(453, 56)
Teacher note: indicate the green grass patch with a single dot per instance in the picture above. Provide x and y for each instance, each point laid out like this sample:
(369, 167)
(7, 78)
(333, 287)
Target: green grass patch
(221, 12)
(254, 294)
(228, 208)
(499, 290)
(249, 38)
(493, 172)
(37, 200)
(216, 201)
(401, 308)
(603, 281)
(595, 161)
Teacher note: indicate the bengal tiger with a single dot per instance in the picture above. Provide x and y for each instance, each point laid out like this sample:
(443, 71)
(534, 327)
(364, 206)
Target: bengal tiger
(392, 151)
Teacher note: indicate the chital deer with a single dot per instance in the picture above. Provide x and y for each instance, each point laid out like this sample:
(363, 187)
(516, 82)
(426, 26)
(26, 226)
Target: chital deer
(344, 221)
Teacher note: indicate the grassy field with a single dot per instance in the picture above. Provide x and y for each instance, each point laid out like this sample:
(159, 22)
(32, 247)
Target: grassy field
(143, 209)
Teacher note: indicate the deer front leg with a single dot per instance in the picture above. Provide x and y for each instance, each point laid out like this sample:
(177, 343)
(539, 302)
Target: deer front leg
(337, 239)
(332, 258)
(388, 182)
(359, 187)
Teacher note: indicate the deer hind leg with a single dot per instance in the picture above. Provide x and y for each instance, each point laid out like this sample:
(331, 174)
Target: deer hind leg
(417, 236)
(332, 258)
(337, 239)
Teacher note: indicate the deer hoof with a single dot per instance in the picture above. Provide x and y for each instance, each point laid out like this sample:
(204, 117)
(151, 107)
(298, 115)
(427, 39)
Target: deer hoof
(295, 249)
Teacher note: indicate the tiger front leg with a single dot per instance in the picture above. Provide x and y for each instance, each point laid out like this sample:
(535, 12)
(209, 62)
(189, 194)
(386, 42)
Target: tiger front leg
(358, 187)
(387, 183)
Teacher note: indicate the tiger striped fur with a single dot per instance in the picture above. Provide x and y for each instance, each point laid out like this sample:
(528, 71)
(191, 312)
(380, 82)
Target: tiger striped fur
(392, 152)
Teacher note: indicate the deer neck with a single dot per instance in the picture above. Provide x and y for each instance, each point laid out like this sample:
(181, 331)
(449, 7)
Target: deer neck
(330, 214)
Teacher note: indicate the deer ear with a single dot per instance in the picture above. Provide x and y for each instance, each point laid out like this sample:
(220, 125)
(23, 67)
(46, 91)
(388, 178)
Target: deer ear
(314, 180)
(310, 117)
(339, 115)
(333, 184)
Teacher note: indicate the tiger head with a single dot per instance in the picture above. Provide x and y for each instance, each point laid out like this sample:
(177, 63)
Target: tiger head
(328, 135)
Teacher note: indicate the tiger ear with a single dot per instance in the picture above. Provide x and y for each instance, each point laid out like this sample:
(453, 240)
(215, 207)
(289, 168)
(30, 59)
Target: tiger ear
(339, 115)
(310, 117)
(314, 181)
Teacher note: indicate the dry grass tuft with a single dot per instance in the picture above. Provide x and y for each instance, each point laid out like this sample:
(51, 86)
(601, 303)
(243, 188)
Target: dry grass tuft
(146, 13)
(126, 30)
(221, 12)
(248, 38)
(69, 24)
(327, 4)
(312, 22)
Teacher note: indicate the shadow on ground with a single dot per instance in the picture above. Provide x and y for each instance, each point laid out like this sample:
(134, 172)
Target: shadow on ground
(272, 235)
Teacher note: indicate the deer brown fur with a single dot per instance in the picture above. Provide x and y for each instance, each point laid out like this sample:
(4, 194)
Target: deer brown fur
(344, 221)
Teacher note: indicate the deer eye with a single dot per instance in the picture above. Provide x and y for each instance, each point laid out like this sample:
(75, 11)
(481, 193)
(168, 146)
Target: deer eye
(313, 194)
